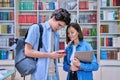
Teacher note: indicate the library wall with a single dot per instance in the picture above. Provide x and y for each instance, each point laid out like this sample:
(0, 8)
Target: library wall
(99, 20)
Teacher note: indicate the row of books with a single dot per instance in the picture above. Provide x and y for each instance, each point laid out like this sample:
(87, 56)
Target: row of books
(89, 31)
(110, 28)
(41, 5)
(110, 15)
(32, 18)
(6, 29)
(6, 42)
(93, 44)
(110, 41)
(55, 5)
(28, 5)
(43, 18)
(104, 29)
(105, 3)
(23, 31)
(6, 3)
(47, 5)
(5, 54)
(27, 19)
(116, 42)
(87, 18)
(6, 15)
(107, 41)
(72, 5)
(109, 54)
(87, 5)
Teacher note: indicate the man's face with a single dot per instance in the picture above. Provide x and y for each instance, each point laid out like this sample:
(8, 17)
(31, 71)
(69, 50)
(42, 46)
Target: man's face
(57, 25)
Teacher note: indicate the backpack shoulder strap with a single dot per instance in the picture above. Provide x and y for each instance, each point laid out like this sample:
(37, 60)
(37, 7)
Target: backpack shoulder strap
(40, 38)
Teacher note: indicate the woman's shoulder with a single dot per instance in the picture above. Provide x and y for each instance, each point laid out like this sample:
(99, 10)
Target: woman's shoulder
(85, 43)
(69, 45)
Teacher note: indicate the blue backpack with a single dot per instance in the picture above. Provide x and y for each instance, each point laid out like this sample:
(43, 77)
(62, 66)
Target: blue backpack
(26, 65)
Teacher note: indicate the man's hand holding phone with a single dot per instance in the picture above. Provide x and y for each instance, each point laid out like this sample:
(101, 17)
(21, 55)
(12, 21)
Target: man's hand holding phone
(61, 52)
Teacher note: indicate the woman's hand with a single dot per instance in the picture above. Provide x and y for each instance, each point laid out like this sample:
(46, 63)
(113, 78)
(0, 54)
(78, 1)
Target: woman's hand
(76, 62)
(74, 68)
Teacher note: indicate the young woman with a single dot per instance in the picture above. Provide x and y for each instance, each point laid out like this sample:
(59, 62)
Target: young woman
(78, 70)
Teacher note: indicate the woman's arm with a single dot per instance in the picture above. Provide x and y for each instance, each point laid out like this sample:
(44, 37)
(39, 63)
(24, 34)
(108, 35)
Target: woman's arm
(66, 65)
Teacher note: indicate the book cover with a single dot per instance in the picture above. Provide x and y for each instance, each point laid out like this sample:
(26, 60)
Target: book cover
(103, 54)
(61, 45)
(85, 56)
(107, 44)
(11, 15)
(11, 41)
(83, 5)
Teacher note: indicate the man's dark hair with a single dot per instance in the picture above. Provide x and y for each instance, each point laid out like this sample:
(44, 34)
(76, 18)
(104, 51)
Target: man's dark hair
(62, 15)
(77, 28)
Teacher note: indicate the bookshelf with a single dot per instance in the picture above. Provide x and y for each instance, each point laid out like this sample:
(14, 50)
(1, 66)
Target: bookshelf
(109, 30)
(7, 31)
(26, 15)
(109, 37)
(87, 19)
(99, 20)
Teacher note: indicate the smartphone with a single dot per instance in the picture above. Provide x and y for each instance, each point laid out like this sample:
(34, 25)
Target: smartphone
(61, 52)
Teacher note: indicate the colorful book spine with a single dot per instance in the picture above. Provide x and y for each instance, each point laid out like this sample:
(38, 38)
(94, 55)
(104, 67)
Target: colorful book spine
(83, 5)
(27, 5)
(61, 45)
(51, 5)
(3, 54)
(27, 19)
(103, 54)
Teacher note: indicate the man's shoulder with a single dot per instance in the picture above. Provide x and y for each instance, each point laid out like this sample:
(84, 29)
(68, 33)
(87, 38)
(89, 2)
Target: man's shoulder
(34, 26)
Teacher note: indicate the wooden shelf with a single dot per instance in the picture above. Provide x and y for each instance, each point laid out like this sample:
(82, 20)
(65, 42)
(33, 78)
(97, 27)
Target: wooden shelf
(7, 62)
(110, 63)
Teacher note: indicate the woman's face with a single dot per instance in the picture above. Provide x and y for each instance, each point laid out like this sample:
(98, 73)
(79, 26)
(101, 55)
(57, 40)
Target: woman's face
(72, 34)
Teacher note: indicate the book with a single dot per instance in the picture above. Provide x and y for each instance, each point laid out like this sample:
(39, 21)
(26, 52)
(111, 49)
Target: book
(85, 56)
(103, 54)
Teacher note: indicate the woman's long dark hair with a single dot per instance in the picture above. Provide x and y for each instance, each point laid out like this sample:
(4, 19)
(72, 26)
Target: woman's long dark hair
(77, 28)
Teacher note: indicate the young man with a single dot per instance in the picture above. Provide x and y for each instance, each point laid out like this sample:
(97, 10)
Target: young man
(47, 59)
